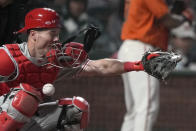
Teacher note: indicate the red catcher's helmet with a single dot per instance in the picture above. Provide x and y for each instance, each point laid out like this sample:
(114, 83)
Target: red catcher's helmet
(41, 18)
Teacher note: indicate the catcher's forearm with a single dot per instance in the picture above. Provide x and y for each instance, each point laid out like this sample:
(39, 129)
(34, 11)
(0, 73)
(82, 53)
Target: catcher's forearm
(116, 67)
(110, 67)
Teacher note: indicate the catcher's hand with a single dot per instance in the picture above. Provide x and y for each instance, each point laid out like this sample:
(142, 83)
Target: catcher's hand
(159, 64)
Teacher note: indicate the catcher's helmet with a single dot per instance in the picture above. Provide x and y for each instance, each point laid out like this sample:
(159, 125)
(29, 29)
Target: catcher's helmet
(41, 18)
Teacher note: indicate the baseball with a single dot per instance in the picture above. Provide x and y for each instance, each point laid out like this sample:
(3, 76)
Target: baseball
(48, 89)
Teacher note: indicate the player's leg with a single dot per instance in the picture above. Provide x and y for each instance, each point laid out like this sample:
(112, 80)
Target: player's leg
(129, 103)
(45, 119)
(67, 114)
(145, 93)
(153, 103)
(18, 107)
(129, 117)
(146, 98)
(142, 92)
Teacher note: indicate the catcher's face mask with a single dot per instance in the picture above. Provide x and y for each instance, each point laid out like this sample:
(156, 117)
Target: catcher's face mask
(70, 55)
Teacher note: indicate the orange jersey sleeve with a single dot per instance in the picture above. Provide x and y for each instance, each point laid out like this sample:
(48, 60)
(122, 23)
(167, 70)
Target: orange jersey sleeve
(157, 7)
(141, 23)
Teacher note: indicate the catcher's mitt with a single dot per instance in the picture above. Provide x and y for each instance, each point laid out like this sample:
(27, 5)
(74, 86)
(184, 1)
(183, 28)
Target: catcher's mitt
(159, 64)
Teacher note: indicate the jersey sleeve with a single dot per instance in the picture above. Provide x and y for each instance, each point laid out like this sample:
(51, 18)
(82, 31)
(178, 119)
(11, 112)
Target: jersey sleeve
(7, 66)
(157, 7)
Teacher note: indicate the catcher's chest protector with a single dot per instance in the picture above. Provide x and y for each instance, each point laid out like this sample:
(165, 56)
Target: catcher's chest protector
(28, 72)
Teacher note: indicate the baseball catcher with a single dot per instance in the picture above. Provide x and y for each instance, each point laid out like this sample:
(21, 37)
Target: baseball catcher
(26, 67)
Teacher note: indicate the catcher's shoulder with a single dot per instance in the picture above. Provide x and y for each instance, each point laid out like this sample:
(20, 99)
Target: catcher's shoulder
(7, 66)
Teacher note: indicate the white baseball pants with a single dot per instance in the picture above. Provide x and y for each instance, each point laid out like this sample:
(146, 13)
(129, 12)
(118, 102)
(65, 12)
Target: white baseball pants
(141, 90)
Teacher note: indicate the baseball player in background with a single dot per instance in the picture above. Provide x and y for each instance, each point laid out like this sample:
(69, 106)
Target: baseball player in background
(146, 28)
(26, 67)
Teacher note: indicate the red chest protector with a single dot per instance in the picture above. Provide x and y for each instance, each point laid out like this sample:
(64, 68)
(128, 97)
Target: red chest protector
(28, 72)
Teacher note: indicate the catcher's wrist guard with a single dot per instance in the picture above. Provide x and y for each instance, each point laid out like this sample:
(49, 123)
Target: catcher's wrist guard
(133, 66)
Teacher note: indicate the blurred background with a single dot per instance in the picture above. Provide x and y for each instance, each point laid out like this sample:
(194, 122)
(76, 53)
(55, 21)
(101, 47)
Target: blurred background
(105, 94)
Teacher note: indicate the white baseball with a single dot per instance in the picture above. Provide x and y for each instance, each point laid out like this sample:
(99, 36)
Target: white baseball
(48, 89)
